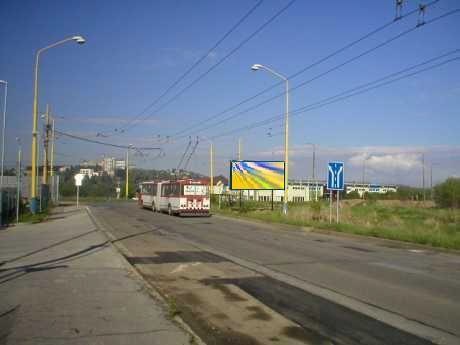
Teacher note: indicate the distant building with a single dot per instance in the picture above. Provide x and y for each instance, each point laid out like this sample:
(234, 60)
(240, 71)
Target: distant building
(108, 165)
(363, 188)
(88, 172)
(298, 191)
(120, 164)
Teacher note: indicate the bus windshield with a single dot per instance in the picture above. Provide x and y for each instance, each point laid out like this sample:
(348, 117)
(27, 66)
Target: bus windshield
(190, 189)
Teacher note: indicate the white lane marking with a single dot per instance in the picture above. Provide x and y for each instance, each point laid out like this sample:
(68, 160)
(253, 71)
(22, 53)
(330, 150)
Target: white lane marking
(182, 267)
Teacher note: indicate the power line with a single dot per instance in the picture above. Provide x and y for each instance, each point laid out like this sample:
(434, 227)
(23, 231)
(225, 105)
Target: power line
(356, 57)
(338, 97)
(314, 64)
(201, 76)
(196, 63)
(104, 143)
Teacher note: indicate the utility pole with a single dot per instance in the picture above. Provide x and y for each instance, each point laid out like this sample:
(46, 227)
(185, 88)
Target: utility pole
(313, 172)
(127, 172)
(239, 158)
(239, 149)
(18, 181)
(431, 181)
(52, 148)
(45, 144)
(423, 176)
(211, 168)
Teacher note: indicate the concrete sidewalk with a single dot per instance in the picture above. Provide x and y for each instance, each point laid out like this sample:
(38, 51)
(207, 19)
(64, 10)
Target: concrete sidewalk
(62, 282)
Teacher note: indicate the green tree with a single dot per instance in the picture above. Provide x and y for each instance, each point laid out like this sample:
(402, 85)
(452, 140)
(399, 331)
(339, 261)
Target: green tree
(447, 194)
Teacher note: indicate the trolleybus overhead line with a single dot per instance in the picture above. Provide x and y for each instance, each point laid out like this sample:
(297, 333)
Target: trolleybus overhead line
(192, 152)
(76, 137)
(195, 64)
(336, 67)
(296, 74)
(214, 66)
(132, 122)
(184, 154)
(380, 82)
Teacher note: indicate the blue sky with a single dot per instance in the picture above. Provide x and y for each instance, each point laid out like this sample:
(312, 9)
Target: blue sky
(135, 50)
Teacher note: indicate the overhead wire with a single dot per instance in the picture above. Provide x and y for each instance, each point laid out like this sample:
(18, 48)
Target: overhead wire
(354, 58)
(346, 94)
(76, 137)
(301, 71)
(195, 64)
(223, 59)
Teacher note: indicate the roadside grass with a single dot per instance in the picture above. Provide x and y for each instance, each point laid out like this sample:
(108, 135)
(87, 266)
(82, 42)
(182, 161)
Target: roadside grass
(173, 309)
(408, 222)
(91, 199)
(28, 217)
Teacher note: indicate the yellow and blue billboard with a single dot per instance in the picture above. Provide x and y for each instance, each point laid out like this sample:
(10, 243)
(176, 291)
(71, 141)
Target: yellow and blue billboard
(257, 175)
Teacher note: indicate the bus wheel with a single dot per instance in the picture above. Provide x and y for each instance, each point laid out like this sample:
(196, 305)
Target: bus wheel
(154, 209)
(170, 210)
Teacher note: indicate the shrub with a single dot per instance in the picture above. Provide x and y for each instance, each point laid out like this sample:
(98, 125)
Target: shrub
(447, 194)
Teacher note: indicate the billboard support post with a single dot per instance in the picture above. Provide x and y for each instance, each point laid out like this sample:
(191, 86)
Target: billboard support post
(272, 199)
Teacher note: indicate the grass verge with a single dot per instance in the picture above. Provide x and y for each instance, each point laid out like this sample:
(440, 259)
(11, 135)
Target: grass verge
(408, 223)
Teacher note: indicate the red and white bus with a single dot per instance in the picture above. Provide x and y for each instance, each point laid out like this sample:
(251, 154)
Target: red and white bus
(181, 197)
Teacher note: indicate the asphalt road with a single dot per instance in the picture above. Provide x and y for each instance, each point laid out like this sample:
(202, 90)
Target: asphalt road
(417, 284)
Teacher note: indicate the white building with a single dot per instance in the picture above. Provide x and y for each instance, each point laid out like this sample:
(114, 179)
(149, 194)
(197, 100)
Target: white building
(120, 164)
(298, 191)
(87, 171)
(363, 188)
(108, 165)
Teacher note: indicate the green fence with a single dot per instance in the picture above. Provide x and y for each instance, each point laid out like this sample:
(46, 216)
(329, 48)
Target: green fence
(7, 205)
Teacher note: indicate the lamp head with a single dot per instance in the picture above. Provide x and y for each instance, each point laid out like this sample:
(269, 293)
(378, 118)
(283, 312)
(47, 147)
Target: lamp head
(3, 82)
(256, 67)
(79, 39)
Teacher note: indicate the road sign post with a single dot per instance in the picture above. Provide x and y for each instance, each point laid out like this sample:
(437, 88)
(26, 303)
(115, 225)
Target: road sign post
(78, 181)
(330, 206)
(335, 181)
(338, 198)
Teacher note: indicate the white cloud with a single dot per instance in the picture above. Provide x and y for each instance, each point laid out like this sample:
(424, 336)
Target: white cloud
(387, 162)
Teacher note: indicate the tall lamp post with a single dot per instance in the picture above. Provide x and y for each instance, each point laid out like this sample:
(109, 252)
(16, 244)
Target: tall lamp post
(313, 169)
(33, 184)
(18, 177)
(127, 171)
(211, 168)
(431, 180)
(4, 82)
(257, 67)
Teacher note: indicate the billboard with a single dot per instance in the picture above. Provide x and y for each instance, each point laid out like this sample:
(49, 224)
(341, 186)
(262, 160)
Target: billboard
(257, 175)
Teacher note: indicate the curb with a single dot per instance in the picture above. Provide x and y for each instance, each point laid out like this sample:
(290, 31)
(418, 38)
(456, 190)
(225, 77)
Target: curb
(152, 291)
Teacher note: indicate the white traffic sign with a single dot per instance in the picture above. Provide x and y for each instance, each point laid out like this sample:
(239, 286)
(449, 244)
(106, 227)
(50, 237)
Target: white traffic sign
(79, 179)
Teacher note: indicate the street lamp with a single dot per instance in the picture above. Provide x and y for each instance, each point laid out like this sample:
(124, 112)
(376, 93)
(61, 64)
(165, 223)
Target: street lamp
(127, 171)
(18, 180)
(33, 184)
(257, 67)
(211, 168)
(3, 132)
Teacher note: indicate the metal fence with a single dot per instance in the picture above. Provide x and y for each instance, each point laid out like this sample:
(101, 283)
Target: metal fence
(7, 205)
(8, 196)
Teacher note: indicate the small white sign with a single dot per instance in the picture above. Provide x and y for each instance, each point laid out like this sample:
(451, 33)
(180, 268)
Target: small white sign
(79, 179)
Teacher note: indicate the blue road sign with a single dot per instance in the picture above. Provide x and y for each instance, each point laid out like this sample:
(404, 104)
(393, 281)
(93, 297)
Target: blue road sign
(335, 178)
